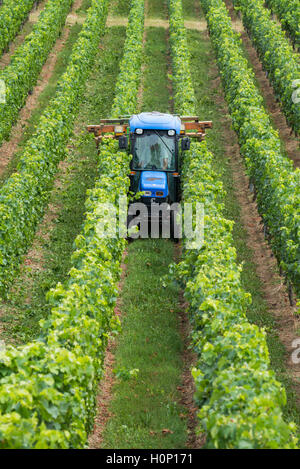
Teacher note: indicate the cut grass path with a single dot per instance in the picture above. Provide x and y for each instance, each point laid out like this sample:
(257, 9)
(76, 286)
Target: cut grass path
(146, 409)
(11, 150)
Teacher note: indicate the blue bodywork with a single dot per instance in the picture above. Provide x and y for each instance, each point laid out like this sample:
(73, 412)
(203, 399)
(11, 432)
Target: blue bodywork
(155, 120)
(154, 181)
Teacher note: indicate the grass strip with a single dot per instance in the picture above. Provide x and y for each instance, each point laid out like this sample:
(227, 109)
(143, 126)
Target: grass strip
(157, 9)
(156, 91)
(145, 407)
(239, 398)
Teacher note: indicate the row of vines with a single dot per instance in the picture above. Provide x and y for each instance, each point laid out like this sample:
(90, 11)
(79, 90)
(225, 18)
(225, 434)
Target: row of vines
(277, 183)
(126, 99)
(24, 195)
(55, 379)
(239, 397)
(22, 73)
(276, 54)
(289, 14)
(12, 15)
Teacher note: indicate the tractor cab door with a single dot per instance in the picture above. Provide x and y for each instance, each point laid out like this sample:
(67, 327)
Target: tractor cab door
(154, 150)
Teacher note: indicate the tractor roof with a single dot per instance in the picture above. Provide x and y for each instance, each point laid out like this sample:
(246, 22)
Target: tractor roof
(155, 120)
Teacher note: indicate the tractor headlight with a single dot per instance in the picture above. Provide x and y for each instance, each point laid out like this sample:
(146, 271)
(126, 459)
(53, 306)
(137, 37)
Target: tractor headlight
(171, 133)
(139, 131)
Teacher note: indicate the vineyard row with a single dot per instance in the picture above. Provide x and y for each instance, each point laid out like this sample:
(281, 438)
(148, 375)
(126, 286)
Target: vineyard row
(67, 362)
(12, 16)
(22, 73)
(276, 54)
(239, 398)
(277, 183)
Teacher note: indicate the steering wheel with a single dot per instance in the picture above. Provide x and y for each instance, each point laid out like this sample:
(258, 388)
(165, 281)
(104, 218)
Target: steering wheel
(149, 166)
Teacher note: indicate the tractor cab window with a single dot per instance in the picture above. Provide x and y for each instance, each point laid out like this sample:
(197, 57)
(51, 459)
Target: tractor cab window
(154, 150)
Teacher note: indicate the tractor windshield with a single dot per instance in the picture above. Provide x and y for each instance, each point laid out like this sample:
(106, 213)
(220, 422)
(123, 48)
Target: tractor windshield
(154, 150)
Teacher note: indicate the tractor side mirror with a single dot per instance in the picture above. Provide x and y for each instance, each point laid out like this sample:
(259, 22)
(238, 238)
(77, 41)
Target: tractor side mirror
(185, 144)
(123, 143)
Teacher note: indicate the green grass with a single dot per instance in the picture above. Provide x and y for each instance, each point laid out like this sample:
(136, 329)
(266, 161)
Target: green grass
(157, 9)
(144, 406)
(44, 98)
(84, 7)
(202, 66)
(156, 94)
(120, 7)
(188, 7)
(28, 304)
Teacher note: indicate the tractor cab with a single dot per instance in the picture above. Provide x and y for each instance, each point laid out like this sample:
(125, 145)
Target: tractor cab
(156, 142)
(154, 145)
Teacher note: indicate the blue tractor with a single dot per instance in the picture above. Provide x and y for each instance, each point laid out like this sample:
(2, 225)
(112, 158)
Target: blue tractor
(156, 142)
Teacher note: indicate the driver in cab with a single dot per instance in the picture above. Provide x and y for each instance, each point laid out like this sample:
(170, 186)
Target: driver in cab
(157, 157)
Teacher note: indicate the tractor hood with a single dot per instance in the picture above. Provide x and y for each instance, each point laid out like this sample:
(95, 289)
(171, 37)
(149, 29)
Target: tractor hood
(154, 184)
(155, 120)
